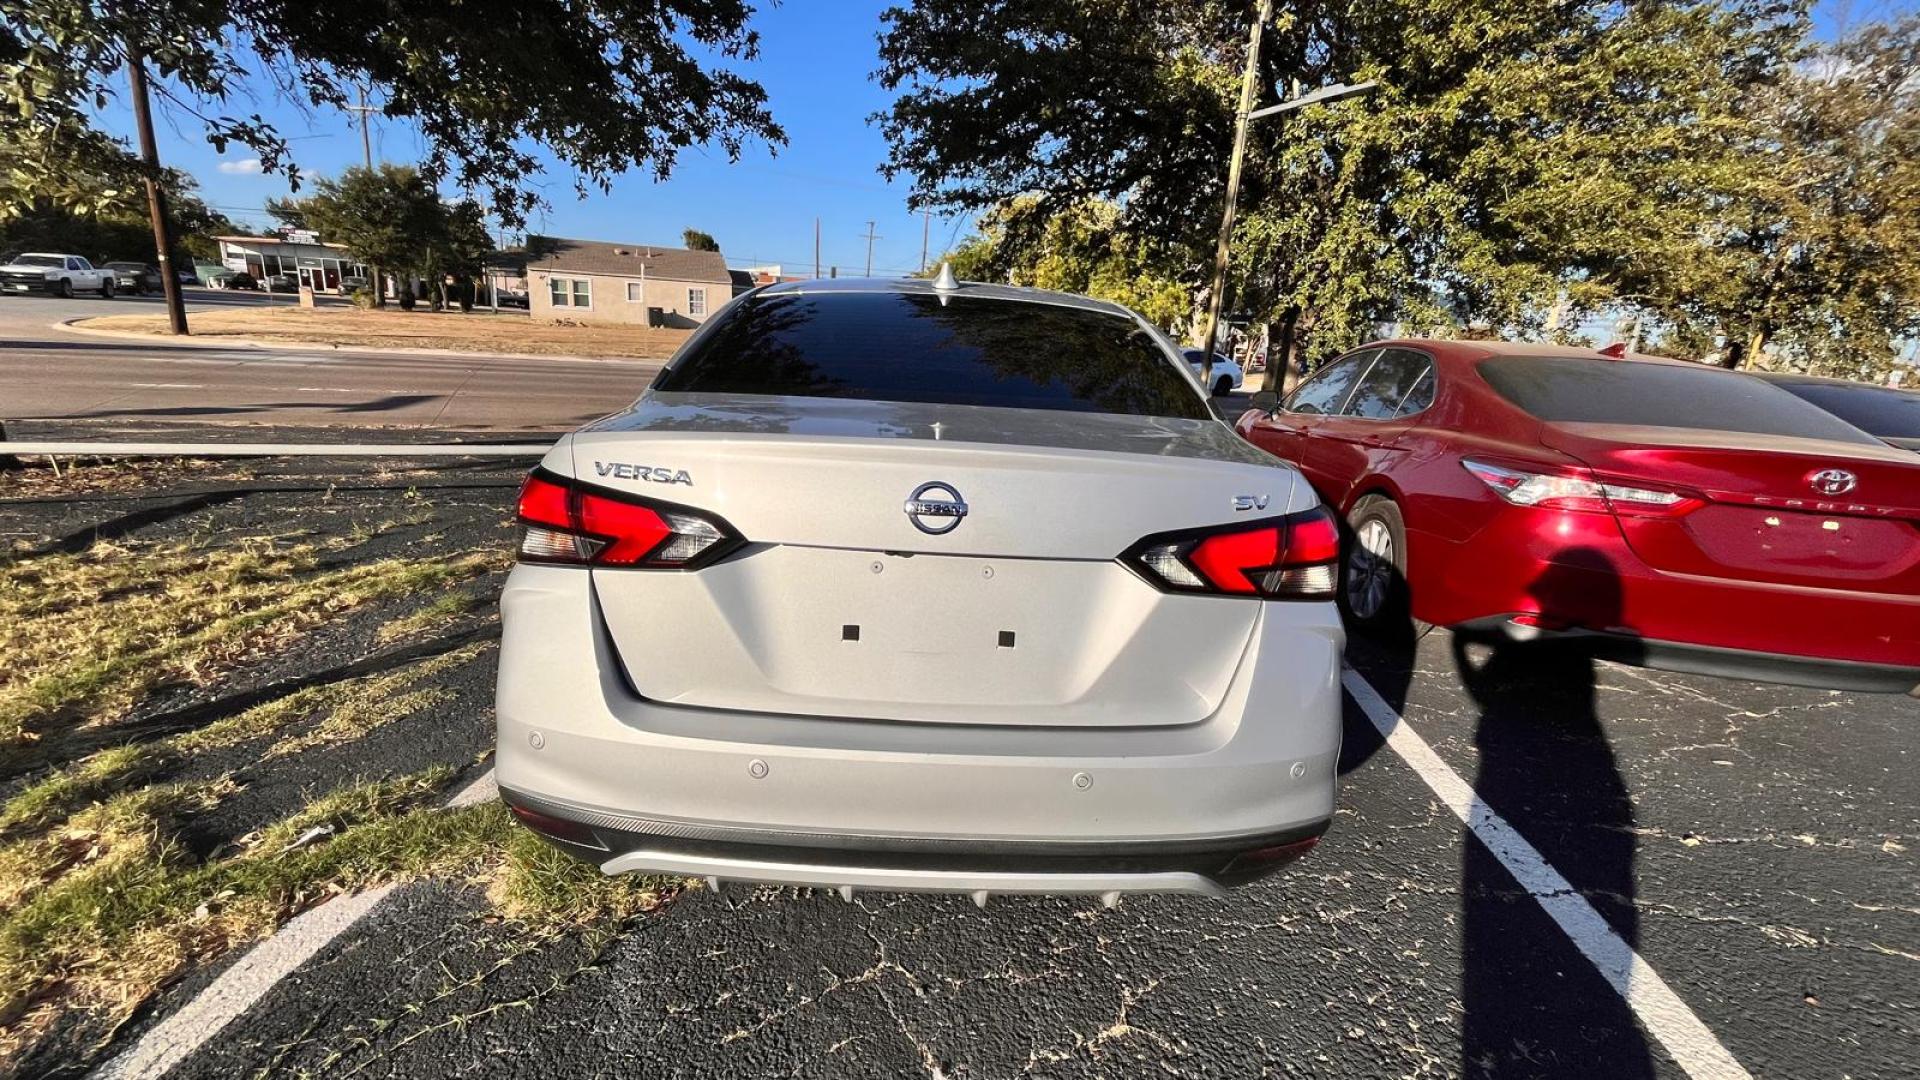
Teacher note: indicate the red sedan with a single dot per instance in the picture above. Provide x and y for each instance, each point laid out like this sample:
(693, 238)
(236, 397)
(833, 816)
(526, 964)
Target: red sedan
(1673, 514)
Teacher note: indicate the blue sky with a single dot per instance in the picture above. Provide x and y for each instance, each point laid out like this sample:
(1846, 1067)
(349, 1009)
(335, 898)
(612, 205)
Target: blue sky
(815, 61)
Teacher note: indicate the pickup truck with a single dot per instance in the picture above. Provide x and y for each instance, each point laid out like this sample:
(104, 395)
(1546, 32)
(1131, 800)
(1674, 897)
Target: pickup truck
(61, 275)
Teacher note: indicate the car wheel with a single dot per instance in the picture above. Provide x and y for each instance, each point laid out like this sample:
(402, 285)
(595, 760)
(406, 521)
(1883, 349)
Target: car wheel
(106, 289)
(1223, 386)
(64, 290)
(1373, 574)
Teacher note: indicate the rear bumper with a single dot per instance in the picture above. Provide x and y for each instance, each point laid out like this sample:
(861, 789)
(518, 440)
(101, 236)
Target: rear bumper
(913, 806)
(621, 842)
(1575, 572)
(1726, 663)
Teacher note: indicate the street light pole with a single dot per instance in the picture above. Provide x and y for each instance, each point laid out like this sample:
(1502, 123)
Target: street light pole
(1248, 84)
(1247, 114)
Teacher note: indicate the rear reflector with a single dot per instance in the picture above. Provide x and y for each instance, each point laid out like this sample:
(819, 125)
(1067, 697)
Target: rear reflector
(1286, 558)
(571, 522)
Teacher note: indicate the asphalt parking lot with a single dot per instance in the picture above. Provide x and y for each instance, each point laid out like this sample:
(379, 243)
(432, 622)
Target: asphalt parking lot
(1743, 855)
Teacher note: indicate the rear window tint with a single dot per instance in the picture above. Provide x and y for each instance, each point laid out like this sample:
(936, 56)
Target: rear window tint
(1570, 389)
(1877, 410)
(888, 346)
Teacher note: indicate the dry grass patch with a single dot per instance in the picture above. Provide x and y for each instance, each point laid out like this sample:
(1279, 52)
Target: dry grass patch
(90, 634)
(395, 329)
(105, 940)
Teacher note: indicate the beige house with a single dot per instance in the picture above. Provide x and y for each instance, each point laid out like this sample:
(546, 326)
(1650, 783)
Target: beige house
(590, 281)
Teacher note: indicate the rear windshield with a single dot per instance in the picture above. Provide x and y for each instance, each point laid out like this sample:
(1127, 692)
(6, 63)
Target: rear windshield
(1571, 389)
(888, 346)
(1877, 410)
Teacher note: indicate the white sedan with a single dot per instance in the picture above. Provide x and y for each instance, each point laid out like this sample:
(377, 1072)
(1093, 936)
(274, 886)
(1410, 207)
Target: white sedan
(1227, 375)
(864, 593)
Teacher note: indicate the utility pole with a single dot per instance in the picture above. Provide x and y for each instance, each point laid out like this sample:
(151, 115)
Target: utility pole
(816, 249)
(926, 223)
(1249, 83)
(870, 239)
(156, 198)
(366, 150)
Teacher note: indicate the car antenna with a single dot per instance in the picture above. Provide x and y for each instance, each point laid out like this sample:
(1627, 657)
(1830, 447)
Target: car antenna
(945, 281)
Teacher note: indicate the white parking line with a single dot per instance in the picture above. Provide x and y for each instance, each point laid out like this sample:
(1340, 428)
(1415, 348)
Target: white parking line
(168, 1043)
(1693, 1046)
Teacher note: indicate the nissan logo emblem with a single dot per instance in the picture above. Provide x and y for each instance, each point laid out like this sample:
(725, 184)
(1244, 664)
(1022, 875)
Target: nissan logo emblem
(1833, 481)
(935, 508)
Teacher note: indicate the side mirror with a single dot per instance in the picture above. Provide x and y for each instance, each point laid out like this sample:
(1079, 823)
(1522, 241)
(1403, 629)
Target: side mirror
(1267, 402)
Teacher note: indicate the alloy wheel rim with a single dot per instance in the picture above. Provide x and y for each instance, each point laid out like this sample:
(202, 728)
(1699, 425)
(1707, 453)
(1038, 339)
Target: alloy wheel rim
(1369, 568)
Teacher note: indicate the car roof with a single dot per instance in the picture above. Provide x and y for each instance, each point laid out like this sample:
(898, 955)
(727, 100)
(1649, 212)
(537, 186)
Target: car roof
(1482, 350)
(1802, 379)
(922, 287)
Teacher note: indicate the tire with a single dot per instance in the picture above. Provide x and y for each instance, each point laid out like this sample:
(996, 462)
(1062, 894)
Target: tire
(1373, 569)
(64, 290)
(1223, 386)
(106, 289)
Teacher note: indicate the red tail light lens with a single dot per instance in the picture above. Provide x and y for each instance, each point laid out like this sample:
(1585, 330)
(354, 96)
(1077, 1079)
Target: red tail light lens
(570, 522)
(1288, 558)
(1565, 491)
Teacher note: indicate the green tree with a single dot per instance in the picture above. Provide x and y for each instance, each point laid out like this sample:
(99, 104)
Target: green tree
(387, 217)
(698, 241)
(603, 85)
(1083, 249)
(1513, 149)
(1817, 251)
(106, 220)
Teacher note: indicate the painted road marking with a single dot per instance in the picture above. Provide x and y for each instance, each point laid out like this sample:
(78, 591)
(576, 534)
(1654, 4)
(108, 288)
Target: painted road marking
(1693, 1046)
(168, 1043)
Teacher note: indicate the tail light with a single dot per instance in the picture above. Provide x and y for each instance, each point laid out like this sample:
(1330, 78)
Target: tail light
(1564, 491)
(1287, 558)
(570, 522)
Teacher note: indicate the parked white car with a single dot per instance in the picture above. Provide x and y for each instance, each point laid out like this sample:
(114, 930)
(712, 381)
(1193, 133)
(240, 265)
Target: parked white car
(1227, 375)
(866, 593)
(49, 272)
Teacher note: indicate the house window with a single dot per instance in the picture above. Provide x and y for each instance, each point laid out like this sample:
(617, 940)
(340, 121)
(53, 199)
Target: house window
(634, 292)
(696, 302)
(569, 292)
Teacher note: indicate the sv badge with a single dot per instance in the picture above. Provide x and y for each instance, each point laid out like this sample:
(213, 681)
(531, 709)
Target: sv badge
(1250, 502)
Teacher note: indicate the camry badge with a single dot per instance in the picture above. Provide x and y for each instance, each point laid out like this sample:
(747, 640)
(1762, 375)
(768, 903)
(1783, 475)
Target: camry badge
(1833, 481)
(935, 508)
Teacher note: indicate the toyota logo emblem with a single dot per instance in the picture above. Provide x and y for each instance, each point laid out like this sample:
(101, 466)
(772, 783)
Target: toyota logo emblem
(1833, 481)
(935, 508)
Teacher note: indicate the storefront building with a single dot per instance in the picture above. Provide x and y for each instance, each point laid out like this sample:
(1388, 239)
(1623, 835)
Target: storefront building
(321, 267)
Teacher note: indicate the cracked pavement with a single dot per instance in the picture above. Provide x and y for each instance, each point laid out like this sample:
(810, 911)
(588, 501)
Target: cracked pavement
(1753, 842)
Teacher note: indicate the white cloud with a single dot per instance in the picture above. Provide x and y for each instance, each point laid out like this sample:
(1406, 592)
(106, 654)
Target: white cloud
(242, 167)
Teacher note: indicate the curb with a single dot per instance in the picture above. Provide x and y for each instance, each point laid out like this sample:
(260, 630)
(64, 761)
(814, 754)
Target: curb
(71, 326)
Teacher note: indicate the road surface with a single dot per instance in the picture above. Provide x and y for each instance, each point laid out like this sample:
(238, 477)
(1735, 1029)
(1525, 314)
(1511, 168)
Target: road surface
(52, 375)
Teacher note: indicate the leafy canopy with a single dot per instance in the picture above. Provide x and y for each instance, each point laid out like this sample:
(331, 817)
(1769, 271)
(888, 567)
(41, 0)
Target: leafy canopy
(604, 85)
(698, 241)
(1513, 147)
(392, 217)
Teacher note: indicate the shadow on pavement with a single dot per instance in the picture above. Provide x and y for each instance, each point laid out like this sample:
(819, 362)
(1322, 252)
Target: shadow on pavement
(1545, 765)
(388, 403)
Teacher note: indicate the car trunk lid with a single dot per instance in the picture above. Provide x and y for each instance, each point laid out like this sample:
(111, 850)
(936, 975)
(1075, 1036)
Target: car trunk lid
(1782, 509)
(845, 604)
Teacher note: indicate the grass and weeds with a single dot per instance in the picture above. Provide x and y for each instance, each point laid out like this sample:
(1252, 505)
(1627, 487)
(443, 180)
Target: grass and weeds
(135, 854)
(107, 933)
(85, 636)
